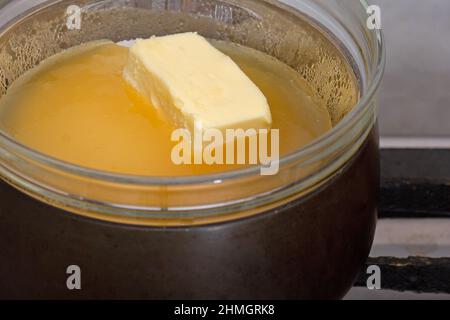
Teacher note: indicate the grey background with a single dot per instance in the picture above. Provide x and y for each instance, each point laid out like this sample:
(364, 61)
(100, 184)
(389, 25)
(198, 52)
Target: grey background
(415, 95)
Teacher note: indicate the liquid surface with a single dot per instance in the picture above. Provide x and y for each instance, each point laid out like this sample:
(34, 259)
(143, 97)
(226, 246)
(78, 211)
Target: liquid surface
(77, 107)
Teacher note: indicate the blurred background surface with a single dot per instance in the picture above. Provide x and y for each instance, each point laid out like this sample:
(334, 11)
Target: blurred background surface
(415, 96)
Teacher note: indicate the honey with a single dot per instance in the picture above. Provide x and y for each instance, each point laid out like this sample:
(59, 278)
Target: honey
(76, 107)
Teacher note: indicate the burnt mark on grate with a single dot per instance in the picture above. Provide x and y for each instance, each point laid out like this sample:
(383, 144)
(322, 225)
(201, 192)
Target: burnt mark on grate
(417, 274)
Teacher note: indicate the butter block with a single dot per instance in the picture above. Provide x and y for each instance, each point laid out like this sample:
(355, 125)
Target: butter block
(195, 85)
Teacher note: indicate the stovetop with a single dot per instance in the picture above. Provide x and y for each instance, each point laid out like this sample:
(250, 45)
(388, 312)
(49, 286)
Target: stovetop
(412, 243)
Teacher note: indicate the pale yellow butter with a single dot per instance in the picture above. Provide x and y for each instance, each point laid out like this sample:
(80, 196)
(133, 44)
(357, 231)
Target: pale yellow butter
(195, 85)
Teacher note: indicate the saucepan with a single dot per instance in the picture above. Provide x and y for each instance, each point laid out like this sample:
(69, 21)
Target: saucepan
(304, 233)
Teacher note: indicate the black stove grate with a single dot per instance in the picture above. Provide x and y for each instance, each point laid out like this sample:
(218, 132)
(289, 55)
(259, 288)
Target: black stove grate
(415, 183)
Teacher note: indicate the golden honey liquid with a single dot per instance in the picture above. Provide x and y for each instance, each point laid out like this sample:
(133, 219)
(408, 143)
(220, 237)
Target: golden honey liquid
(77, 107)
